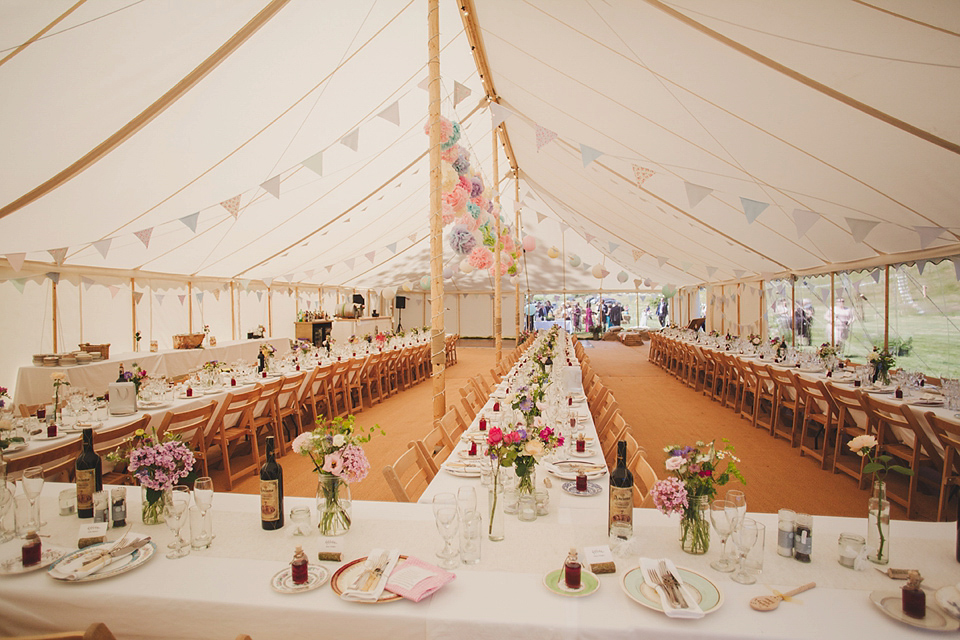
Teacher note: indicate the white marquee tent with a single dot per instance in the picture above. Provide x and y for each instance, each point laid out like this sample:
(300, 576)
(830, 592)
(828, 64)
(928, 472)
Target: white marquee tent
(158, 154)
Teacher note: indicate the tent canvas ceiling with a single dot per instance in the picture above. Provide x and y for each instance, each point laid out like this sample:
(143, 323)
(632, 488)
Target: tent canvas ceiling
(694, 140)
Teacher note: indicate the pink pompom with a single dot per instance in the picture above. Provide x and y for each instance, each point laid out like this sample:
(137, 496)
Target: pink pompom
(457, 199)
(481, 258)
(447, 213)
(529, 243)
(450, 155)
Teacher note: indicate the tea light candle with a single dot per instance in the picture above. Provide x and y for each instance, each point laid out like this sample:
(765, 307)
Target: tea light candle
(850, 546)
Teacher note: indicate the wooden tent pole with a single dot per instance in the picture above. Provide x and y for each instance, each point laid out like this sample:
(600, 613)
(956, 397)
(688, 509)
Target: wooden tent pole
(497, 277)
(793, 309)
(80, 301)
(190, 306)
(516, 199)
(53, 291)
(269, 312)
(833, 312)
(886, 307)
(233, 314)
(133, 314)
(438, 353)
(296, 295)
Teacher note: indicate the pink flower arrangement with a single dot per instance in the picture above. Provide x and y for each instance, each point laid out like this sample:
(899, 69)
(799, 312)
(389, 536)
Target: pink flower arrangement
(162, 465)
(334, 448)
(670, 496)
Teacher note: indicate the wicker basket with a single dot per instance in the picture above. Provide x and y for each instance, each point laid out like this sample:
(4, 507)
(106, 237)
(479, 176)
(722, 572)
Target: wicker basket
(188, 340)
(102, 349)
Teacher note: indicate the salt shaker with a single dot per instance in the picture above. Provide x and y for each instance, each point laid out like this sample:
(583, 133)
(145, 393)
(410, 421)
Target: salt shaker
(787, 519)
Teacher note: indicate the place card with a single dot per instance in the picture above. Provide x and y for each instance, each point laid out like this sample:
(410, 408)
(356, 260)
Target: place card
(92, 533)
(331, 549)
(599, 559)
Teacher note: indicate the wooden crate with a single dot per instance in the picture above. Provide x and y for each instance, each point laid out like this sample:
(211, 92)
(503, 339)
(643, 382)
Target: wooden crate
(188, 340)
(102, 349)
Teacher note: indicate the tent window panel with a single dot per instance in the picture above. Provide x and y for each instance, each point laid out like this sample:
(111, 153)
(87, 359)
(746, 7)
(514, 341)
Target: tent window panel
(925, 318)
(778, 309)
(859, 304)
(811, 315)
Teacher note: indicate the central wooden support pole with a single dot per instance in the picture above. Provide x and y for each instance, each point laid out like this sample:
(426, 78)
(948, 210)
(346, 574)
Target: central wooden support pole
(516, 228)
(233, 313)
(54, 305)
(133, 314)
(438, 352)
(497, 298)
(190, 306)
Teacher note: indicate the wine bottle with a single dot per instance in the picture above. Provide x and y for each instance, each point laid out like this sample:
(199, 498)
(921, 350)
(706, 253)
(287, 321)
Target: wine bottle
(121, 377)
(271, 491)
(89, 476)
(261, 362)
(620, 514)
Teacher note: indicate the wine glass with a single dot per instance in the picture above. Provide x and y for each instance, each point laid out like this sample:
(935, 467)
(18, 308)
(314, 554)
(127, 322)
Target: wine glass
(443, 501)
(744, 537)
(6, 501)
(466, 500)
(203, 496)
(32, 481)
(447, 524)
(724, 516)
(175, 503)
(739, 501)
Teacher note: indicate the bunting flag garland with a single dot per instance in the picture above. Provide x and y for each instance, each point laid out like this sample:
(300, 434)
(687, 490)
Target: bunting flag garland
(928, 235)
(259, 295)
(613, 246)
(113, 291)
(804, 221)
(413, 238)
(244, 284)
(498, 113)
(58, 255)
(738, 273)
(588, 154)
(637, 254)
(371, 256)
(137, 296)
(329, 268)
(272, 186)
(589, 237)
(190, 221)
(752, 208)
(86, 282)
(315, 163)
(956, 266)
(710, 272)
(859, 228)
(103, 246)
(392, 247)
(54, 276)
(350, 262)
(144, 236)
(199, 296)
(875, 274)
(159, 298)
(268, 282)
(642, 174)
(563, 226)
(19, 283)
(308, 273)
(182, 298)
(696, 193)
(392, 113)
(232, 205)
(16, 261)
(460, 93)
(540, 217)
(921, 265)
(424, 84)
(544, 136)
(351, 140)
(661, 261)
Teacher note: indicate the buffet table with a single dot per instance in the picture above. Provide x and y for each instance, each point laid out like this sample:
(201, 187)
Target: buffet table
(35, 386)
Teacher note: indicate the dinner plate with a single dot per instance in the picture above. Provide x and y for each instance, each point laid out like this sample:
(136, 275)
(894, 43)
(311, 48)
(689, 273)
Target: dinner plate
(588, 584)
(282, 581)
(42, 437)
(348, 574)
(569, 472)
(949, 598)
(593, 489)
(15, 446)
(891, 603)
(879, 390)
(927, 403)
(153, 405)
(708, 595)
(465, 455)
(122, 565)
(14, 566)
(466, 472)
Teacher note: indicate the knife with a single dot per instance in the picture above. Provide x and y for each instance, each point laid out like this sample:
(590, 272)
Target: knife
(377, 571)
(115, 553)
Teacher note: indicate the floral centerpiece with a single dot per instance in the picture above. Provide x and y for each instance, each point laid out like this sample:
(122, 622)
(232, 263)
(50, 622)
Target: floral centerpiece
(136, 375)
(826, 350)
(696, 472)
(158, 465)
(338, 459)
(878, 515)
(755, 340)
(267, 350)
(882, 362)
(211, 366)
(6, 422)
(525, 400)
(59, 380)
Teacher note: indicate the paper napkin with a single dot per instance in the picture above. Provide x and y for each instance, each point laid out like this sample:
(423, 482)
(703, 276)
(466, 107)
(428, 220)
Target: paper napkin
(415, 579)
(374, 593)
(692, 610)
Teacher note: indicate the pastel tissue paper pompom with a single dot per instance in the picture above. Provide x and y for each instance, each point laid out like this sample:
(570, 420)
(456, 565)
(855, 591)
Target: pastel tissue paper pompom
(476, 186)
(457, 199)
(468, 221)
(450, 155)
(481, 258)
(447, 213)
(462, 163)
(447, 273)
(553, 252)
(462, 240)
(425, 283)
(474, 211)
(622, 277)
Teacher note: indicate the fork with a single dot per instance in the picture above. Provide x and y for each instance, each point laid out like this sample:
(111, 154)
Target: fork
(657, 580)
(377, 571)
(674, 584)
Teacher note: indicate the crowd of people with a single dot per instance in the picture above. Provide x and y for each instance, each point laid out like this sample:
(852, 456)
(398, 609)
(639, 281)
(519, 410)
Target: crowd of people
(575, 316)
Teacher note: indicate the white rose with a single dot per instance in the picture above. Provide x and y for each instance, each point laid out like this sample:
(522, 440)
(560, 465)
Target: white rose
(533, 448)
(58, 375)
(857, 444)
(675, 462)
(339, 440)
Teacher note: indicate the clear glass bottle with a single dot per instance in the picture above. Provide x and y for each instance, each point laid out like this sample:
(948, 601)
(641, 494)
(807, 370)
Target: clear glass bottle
(786, 522)
(572, 570)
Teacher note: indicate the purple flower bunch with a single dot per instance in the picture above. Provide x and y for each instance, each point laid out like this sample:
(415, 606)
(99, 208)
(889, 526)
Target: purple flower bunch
(670, 496)
(4, 393)
(162, 465)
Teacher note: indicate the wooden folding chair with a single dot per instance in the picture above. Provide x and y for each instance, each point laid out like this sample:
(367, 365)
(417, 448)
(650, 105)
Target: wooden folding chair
(370, 379)
(451, 424)
(787, 397)
(289, 405)
(851, 422)
(233, 424)
(766, 391)
(195, 428)
(339, 396)
(409, 476)
(107, 440)
(266, 413)
(353, 385)
(820, 410)
(317, 394)
(436, 447)
(947, 433)
(96, 631)
(58, 462)
(643, 472)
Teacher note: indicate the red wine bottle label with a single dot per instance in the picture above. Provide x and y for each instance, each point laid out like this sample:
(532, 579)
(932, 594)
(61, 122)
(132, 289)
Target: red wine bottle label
(270, 500)
(86, 485)
(621, 504)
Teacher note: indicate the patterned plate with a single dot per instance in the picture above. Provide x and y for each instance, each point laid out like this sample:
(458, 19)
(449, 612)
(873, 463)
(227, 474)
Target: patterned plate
(709, 596)
(282, 581)
(14, 566)
(593, 489)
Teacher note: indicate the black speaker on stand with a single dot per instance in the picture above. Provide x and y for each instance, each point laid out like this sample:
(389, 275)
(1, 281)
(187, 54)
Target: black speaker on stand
(401, 304)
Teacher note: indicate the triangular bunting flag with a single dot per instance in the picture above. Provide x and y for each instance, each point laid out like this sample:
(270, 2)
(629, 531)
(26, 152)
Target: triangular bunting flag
(613, 246)
(766, 275)
(738, 273)
(137, 296)
(696, 193)
(329, 268)
(859, 228)
(603, 272)
(244, 284)
(144, 236)
(928, 235)
(540, 217)
(182, 298)
(642, 174)
(544, 136)
(956, 266)
(216, 294)
(58, 255)
(351, 140)
(921, 265)
(232, 206)
(190, 221)
(54, 276)
(315, 163)
(563, 226)
(19, 283)
(424, 84)
(589, 237)
(875, 274)
(371, 256)
(662, 261)
(710, 272)
(113, 291)
(272, 186)
(804, 220)
(413, 238)
(86, 282)
(499, 113)
(159, 297)
(350, 262)
(267, 281)
(392, 247)
(199, 296)
(460, 93)
(16, 261)
(752, 208)
(685, 265)
(391, 113)
(588, 154)
(308, 273)
(637, 254)
(259, 295)
(103, 246)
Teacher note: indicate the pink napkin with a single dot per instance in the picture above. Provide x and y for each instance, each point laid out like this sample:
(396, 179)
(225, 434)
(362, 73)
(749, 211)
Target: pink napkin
(415, 579)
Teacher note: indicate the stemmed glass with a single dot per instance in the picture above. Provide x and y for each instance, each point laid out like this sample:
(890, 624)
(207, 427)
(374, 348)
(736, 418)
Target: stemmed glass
(32, 481)
(744, 537)
(443, 501)
(739, 501)
(203, 496)
(724, 516)
(175, 504)
(466, 500)
(447, 524)
(6, 501)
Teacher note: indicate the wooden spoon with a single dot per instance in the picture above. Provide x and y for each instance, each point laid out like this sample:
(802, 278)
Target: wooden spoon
(769, 603)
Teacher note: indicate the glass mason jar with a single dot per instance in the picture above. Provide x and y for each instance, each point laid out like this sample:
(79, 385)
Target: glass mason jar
(695, 527)
(334, 505)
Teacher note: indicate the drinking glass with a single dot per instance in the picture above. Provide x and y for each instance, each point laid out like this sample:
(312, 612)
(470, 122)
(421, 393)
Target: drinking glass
(442, 501)
(466, 500)
(175, 504)
(744, 537)
(32, 482)
(203, 497)
(723, 515)
(447, 524)
(739, 501)
(6, 502)
(470, 530)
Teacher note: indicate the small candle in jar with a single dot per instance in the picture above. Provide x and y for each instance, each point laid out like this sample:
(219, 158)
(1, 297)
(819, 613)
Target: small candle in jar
(581, 482)
(52, 430)
(850, 546)
(786, 519)
(298, 567)
(473, 448)
(30, 551)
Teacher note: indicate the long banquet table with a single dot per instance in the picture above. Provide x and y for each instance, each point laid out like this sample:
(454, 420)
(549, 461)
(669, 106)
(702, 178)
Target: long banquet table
(224, 590)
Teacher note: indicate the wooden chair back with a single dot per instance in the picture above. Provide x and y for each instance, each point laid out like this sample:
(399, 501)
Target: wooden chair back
(643, 473)
(947, 432)
(409, 476)
(195, 428)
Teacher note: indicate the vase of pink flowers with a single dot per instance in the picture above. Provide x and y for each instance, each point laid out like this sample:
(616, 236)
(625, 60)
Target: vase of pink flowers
(158, 466)
(338, 459)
